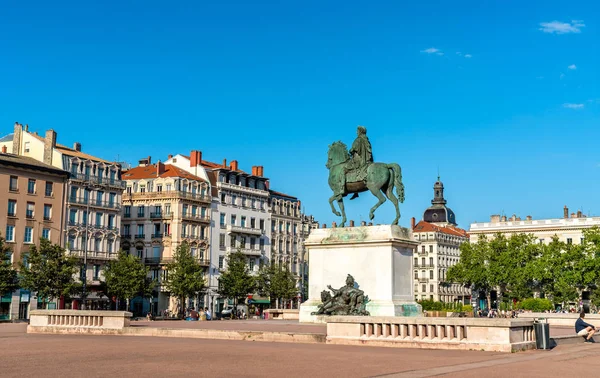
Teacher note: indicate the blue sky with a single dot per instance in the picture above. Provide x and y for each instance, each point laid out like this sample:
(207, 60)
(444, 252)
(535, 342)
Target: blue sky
(502, 97)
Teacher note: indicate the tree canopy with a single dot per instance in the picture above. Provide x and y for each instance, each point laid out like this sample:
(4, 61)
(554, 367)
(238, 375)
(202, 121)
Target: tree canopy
(9, 281)
(185, 275)
(277, 282)
(127, 277)
(236, 282)
(48, 271)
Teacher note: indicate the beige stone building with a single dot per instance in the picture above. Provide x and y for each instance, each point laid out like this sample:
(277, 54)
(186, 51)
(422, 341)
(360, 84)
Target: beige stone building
(92, 210)
(439, 242)
(568, 229)
(163, 207)
(32, 194)
(289, 229)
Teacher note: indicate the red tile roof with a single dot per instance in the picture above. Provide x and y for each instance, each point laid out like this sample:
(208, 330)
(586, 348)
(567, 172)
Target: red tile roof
(423, 226)
(150, 171)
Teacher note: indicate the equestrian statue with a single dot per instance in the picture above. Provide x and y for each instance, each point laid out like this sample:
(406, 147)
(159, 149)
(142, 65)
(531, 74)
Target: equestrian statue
(355, 172)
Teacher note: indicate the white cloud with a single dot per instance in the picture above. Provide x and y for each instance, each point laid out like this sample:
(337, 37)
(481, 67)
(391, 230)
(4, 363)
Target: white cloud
(572, 67)
(573, 106)
(468, 56)
(558, 27)
(431, 50)
(439, 53)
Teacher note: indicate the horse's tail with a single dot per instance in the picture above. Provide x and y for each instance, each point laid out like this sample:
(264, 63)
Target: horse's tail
(397, 180)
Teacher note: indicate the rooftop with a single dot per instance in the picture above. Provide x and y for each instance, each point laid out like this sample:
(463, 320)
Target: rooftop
(151, 171)
(282, 195)
(27, 162)
(423, 226)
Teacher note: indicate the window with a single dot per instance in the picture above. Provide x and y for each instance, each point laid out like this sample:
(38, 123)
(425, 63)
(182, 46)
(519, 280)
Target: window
(126, 230)
(221, 260)
(203, 212)
(12, 208)
(222, 222)
(96, 272)
(233, 219)
(85, 218)
(243, 242)
(430, 248)
(97, 244)
(169, 187)
(28, 235)
(73, 195)
(431, 274)
(159, 188)
(98, 219)
(86, 195)
(262, 224)
(111, 199)
(416, 261)
(10, 233)
(99, 197)
(416, 275)
(233, 199)
(47, 212)
(168, 208)
(72, 243)
(30, 208)
(142, 189)
(262, 244)
(49, 189)
(423, 248)
(423, 261)
(140, 230)
(193, 251)
(27, 146)
(424, 288)
(141, 211)
(243, 221)
(569, 241)
(232, 241)
(252, 242)
(222, 240)
(251, 264)
(72, 216)
(431, 261)
(431, 288)
(109, 245)
(185, 210)
(127, 211)
(13, 187)
(31, 186)
(223, 198)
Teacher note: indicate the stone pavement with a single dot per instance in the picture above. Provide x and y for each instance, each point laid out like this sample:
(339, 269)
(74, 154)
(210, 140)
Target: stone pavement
(26, 355)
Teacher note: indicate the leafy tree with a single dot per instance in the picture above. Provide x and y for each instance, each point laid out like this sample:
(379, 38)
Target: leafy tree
(127, 277)
(236, 282)
(48, 271)
(9, 281)
(472, 268)
(536, 304)
(283, 285)
(185, 275)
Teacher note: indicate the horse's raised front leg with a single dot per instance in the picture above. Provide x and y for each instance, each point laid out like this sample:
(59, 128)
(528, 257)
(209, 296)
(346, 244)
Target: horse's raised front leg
(331, 199)
(341, 205)
(377, 193)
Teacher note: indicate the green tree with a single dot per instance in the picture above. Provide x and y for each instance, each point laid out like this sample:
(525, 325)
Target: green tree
(48, 271)
(283, 285)
(472, 268)
(236, 282)
(9, 281)
(127, 277)
(185, 276)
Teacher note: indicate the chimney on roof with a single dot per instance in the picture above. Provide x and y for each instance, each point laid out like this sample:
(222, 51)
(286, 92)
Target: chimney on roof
(3, 149)
(233, 165)
(259, 171)
(26, 128)
(35, 133)
(566, 212)
(49, 144)
(17, 136)
(503, 218)
(224, 163)
(351, 223)
(412, 223)
(77, 146)
(579, 214)
(144, 162)
(160, 168)
(195, 158)
(149, 159)
(170, 156)
(495, 218)
(572, 215)
(528, 217)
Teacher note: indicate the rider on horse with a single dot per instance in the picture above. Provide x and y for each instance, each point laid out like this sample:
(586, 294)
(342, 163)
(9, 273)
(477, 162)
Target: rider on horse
(362, 156)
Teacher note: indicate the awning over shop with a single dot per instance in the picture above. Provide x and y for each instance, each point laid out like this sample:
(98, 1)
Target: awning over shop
(259, 301)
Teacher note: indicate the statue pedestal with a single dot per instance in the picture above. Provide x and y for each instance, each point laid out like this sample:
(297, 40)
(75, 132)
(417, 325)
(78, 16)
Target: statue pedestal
(380, 258)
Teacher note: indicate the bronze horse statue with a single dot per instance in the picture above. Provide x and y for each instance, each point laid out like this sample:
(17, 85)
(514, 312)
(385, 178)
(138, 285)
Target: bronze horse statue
(381, 178)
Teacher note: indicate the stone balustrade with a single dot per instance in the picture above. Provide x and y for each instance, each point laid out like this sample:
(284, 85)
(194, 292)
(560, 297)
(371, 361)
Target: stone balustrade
(44, 321)
(561, 319)
(500, 335)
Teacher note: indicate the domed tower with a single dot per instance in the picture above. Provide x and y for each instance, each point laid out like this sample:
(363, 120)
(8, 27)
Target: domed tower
(439, 213)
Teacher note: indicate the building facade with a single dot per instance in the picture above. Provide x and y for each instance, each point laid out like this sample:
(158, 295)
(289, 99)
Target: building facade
(33, 194)
(240, 216)
(163, 207)
(568, 229)
(92, 209)
(439, 242)
(289, 229)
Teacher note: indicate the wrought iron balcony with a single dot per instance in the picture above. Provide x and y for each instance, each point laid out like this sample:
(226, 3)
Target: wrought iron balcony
(140, 236)
(244, 230)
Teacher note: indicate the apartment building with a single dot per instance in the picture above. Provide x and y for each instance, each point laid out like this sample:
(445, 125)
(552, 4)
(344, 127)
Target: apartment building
(32, 194)
(92, 210)
(163, 207)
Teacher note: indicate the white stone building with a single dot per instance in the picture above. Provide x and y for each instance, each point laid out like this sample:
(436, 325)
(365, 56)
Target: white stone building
(568, 229)
(439, 242)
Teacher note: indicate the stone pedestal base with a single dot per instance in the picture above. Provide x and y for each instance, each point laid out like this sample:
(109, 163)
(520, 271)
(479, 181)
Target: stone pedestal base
(379, 258)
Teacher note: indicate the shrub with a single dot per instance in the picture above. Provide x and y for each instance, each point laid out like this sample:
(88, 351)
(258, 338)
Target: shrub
(536, 304)
(467, 308)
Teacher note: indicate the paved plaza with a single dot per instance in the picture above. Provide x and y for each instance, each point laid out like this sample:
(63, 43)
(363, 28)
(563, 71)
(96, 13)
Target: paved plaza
(99, 356)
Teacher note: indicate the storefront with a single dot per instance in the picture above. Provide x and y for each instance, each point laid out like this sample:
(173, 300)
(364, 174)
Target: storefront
(5, 302)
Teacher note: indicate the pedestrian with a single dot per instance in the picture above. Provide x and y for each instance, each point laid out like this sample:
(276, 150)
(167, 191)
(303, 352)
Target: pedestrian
(207, 312)
(584, 329)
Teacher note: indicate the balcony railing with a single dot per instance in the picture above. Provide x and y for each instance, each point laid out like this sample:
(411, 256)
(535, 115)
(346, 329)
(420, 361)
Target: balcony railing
(157, 235)
(94, 254)
(125, 237)
(195, 218)
(168, 194)
(128, 215)
(244, 230)
(259, 192)
(98, 180)
(245, 251)
(424, 266)
(152, 260)
(140, 236)
(94, 203)
(421, 279)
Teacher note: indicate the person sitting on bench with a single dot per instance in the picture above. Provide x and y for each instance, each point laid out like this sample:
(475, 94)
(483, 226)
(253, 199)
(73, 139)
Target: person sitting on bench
(584, 329)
